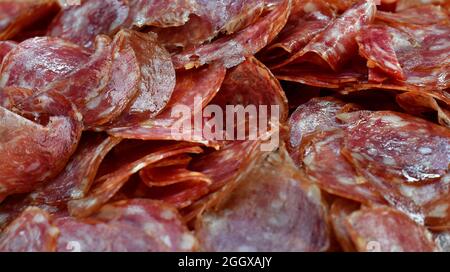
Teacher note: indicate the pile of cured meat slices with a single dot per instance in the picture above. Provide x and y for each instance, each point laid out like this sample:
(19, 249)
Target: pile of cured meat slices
(89, 160)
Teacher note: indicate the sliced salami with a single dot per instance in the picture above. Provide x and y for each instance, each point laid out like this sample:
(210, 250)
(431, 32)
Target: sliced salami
(80, 24)
(324, 165)
(32, 231)
(340, 210)
(232, 50)
(131, 225)
(157, 80)
(383, 229)
(5, 47)
(37, 152)
(336, 44)
(107, 186)
(76, 179)
(36, 62)
(17, 15)
(269, 210)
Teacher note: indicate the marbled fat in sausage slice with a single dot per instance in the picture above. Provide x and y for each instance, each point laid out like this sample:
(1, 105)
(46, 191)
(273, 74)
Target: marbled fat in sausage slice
(269, 210)
(80, 24)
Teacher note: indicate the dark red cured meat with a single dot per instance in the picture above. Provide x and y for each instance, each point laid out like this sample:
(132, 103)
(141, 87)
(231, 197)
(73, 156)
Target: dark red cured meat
(419, 105)
(30, 232)
(160, 13)
(406, 4)
(325, 166)
(424, 15)
(130, 225)
(232, 50)
(122, 88)
(107, 186)
(336, 44)
(76, 179)
(410, 149)
(203, 83)
(5, 47)
(404, 157)
(82, 23)
(34, 153)
(10, 97)
(437, 213)
(157, 80)
(318, 114)
(316, 76)
(39, 61)
(340, 210)
(16, 15)
(209, 19)
(252, 83)
(309, 18)
(376, 46)
(167, 175)
(384, 229)
(269, 210)
(180, 194)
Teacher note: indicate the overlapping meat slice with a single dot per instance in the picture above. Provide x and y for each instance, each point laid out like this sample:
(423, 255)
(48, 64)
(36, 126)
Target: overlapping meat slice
(308, 18)
(80, 24)
(233, 49)
(318, 114)
(36, 151)
(422, 15)
(76, 179)
(160, 13)
(36, 62)
(210, 19)
(32, 231)
(157, 80)
(382, 229)
(340, 210)
(132, 225)
(193, 91)
(17, 14)
(5, 47)
(325, 166)
(405, 158)
(406, 4)
(109, 184)
(270, 209)
(334, 46)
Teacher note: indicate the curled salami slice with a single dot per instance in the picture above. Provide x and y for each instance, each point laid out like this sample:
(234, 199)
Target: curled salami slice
(308, 18)
(211, 18)
(107, 186)
(420, 105)
(437, 213)
(39, 61)
(76, 179)
(318, 114)
(399, 147)
(32, 231)
(232, 50)
(160, 12)
(324, 165)
(5, 47)
(122, 88)
(17, 15)
(131, 225)
(376, 46)
(269, 210)
(405, 158)
(81, 23)
(168, 175)
(424, 15)
(194, 90)
(336, 44)
(383, 229)
(157, 79)
(340, 210)
(36, 152)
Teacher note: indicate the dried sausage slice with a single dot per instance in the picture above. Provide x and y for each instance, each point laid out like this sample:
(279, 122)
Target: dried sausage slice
(269, 210)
